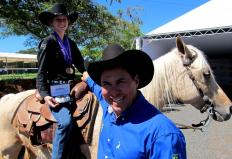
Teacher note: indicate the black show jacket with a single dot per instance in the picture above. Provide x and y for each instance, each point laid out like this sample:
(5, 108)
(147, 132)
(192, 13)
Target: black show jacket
(52, 65)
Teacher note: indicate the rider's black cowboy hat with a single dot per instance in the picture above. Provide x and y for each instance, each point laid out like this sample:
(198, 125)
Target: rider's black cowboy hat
(58, 9)
(134, 61)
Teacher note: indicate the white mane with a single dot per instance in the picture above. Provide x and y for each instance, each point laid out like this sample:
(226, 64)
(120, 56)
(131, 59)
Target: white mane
(169, 76)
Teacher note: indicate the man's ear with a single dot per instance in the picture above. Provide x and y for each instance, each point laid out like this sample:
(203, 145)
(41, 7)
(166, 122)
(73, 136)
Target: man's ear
(136, 78)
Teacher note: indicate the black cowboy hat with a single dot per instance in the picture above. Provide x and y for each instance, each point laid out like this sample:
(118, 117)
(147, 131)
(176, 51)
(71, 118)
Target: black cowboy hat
(56, 10)
(134, 61)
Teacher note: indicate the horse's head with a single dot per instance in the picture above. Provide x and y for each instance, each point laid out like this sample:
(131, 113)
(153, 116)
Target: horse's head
(203, 91)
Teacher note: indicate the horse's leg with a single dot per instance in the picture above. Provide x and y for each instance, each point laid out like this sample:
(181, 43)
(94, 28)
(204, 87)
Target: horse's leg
(35, 152)
(11, 147)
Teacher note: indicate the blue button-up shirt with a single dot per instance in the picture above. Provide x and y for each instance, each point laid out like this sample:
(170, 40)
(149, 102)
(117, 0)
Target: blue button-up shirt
(141, 132)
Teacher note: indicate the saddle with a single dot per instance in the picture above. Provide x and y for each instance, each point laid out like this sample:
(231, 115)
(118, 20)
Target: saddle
(35, 119)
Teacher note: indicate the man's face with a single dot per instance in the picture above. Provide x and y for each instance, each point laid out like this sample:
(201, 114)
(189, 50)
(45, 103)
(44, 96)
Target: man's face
(119, 88)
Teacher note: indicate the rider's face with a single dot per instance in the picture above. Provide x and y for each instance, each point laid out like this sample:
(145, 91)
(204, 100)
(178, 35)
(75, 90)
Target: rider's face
(60, 23)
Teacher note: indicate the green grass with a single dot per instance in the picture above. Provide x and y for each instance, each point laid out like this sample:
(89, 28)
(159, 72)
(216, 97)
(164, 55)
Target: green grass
(18, 76)
(24, 76)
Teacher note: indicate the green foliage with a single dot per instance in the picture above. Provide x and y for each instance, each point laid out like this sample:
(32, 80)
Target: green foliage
(111, 1)
(28, 51)
(95, 27)
(18, 76)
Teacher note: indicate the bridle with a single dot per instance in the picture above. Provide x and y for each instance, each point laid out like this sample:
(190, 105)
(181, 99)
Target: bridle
(208, 103)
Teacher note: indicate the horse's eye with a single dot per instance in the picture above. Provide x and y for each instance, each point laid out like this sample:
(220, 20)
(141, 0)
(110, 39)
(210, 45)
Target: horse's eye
(206, 74)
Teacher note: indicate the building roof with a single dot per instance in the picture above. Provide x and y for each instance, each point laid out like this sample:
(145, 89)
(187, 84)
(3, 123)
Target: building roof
(208, 27)
(16, 57)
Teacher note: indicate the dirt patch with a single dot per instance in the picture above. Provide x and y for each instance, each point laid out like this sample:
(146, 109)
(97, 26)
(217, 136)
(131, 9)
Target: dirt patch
(15, 86)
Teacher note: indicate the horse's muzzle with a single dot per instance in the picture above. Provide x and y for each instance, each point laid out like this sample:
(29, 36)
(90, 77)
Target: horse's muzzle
(219, 116)
(230, 109)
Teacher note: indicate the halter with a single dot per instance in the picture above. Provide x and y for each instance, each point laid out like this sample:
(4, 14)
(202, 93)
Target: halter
(208, 103)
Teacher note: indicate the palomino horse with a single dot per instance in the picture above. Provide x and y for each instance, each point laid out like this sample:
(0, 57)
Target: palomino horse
(184, 75)
(15, 116)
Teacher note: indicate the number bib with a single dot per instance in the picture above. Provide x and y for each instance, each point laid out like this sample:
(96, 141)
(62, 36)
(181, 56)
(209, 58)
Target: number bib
(60, 90)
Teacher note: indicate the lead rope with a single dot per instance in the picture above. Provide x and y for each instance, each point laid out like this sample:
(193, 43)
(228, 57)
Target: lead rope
(200, 126)
(208, 106)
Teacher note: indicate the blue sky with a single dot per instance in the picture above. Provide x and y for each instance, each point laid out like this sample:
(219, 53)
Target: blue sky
(153, 14)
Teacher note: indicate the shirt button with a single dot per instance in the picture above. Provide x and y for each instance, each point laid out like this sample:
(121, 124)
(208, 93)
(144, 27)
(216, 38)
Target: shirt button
(106, 156)
(108, 140)
(110, 110)
(123, 119)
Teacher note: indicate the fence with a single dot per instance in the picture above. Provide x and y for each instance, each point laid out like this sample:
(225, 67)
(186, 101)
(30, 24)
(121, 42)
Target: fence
(17, 63)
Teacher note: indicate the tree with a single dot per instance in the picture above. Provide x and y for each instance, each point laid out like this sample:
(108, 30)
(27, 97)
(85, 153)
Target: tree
(95, 26)
(28, 51)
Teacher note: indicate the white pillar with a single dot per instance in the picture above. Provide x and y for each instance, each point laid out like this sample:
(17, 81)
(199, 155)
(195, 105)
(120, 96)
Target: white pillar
(138, 43)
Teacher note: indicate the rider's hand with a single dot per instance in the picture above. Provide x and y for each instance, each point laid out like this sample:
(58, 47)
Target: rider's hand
(85, 75)
(51, 101)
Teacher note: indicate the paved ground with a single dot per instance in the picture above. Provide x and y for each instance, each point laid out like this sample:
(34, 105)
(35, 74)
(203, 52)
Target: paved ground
(214, 143)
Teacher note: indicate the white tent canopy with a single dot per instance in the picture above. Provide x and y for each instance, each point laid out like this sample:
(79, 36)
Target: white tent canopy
(208, 27)
(213, 14)
(16, 57)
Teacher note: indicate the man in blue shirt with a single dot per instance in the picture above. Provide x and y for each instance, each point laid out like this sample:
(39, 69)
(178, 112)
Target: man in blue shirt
(132, 128)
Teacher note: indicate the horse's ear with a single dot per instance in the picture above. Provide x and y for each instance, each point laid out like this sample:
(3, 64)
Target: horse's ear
(180, 44)
(183, 49)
